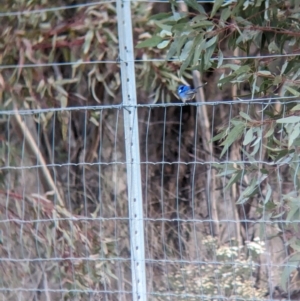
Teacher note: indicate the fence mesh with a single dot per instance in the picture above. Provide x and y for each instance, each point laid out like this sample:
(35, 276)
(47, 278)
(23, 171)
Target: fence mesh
(64, 220)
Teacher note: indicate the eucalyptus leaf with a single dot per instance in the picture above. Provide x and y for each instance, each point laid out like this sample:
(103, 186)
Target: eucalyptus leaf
(245, 116)
(220, 58)
(160, 16)
(295, 134)
(232, 136)
(217, 5)
(195, 5)
(290, 119)
(186, 51)
(172, 50)
(225, 14)
(296, 108)
(237, 177)
(152, 42)
(163, 44)
(249, 137)
(292, 91)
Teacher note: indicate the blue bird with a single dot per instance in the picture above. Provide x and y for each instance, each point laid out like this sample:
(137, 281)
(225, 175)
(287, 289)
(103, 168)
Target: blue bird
(186, 93)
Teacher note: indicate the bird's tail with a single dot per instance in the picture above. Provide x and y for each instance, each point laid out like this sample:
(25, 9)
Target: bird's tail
(200, 86)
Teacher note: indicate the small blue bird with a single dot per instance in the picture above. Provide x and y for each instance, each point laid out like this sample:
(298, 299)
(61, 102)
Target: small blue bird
(186, 93)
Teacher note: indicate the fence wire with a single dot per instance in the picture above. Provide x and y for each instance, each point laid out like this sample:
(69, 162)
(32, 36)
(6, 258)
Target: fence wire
(66, 231)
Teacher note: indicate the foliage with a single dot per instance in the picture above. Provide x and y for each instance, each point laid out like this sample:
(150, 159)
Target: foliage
(266, 33)
(229, 271)
(46, 40)
(60, 58)
(53, 249)
(195, 38)
(54, 56)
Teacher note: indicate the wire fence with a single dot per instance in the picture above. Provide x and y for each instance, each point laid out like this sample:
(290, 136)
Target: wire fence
(121, 200)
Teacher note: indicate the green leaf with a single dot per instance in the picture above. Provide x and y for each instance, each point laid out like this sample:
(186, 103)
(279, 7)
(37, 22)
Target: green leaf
(220, 136)
(232, 136)
(264, 171)
(172, 49)
(263, 73)
(181, 27)
(190, 51)
(249, 137)
(236, 122)
(152, 42)
(290, 119)
(164, 33)
(256, 147)
(181, 41)
(277, 80)
(207, 56)
(211, 41)
(186, 63)
(200, 21)
(187, 49)
(226, 79)
(231, 66)
(273, 48)
(163, 26)
(198, 50)
(294, 135)
(241, 78)
(217, 5)
(178, 16)
(296, 107)
(235, 178)
(268, 194)
(249, 157)
(199, 18)
(225, 14)
(277, 215)
(294, 213)
(283, 153)
(270, 131)
(243, 69)
(256, 141)
(294, 243)
(245, 116)
(292, 265)
(284, 67)
(160, 16)
(242, 21)
(293, 91)
(220, 58)
(227, 172)
(163, 44)
(193, 4)
(251, 189)
(247, 35)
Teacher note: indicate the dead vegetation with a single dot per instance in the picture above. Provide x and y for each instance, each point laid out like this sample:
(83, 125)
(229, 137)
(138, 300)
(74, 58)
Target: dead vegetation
(63, 199)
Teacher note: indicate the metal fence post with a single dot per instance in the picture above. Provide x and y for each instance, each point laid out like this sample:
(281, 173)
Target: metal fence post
(135, 201)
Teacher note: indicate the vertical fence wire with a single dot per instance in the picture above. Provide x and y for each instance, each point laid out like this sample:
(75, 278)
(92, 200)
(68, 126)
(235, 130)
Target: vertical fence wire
(70, 237)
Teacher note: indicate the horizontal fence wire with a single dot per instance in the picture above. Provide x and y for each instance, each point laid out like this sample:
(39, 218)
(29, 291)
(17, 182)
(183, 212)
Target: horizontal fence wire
(25, 221)
(65, 229)
(255, 101)
(82, 5)
(78, 63)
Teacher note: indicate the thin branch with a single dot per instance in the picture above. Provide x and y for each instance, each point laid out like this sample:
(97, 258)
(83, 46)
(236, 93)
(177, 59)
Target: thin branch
(35, 154)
